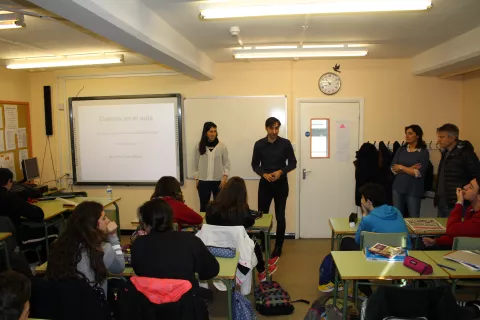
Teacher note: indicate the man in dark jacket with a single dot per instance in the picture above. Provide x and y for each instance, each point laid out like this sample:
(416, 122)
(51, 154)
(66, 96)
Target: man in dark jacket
(459, 165)
(13, 207)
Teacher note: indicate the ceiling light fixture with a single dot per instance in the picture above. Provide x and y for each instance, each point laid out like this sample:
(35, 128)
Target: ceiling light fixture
(321, 46)
(357, 45)
(10, 20)
(68, 61)
(338, 6)
(299, 54)
(275, 47)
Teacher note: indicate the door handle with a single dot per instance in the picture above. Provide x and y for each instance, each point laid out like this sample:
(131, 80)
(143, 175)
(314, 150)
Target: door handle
(304, 173)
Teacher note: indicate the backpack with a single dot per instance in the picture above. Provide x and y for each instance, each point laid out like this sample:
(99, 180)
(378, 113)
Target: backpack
(271, 299)
(317, 311)
(326, 270)
(242, 308)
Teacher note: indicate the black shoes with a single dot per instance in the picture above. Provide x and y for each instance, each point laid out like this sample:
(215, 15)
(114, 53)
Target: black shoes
(277, 252)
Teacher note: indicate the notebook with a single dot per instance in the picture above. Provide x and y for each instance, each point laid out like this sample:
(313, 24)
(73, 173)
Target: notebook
(470, 259)
(382, 252)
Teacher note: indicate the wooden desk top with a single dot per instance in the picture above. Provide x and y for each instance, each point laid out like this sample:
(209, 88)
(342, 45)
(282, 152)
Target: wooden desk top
(460, 272)
(342, 226)
(228, 268)
(4, 235)
(52, 208)
(352, 265)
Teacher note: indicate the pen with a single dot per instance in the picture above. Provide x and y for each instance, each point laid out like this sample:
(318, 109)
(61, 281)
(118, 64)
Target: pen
(444, 266)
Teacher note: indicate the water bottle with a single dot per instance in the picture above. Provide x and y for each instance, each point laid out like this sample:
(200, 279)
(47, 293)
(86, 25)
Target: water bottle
(109, 193)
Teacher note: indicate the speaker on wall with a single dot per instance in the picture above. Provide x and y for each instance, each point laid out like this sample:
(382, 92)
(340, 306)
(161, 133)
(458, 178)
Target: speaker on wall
(47, 98)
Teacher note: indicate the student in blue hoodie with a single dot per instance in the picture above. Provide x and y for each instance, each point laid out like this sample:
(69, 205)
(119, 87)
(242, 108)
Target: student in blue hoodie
(377, 216)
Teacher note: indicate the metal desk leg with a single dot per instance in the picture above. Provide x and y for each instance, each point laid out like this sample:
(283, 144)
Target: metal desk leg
(3, 245)
(454, 286)
(339, 240)
(332, 244)
(117, 218)
(345, 299)
(47, 249)
(229, 298)
(267, 252)
(355, 293)
(335, 289)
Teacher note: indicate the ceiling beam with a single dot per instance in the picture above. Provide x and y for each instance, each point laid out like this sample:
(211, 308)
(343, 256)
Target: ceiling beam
(451, 57)
(136, 27)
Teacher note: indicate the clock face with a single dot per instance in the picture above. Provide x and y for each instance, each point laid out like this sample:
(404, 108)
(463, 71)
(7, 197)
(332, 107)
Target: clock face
(329, 83)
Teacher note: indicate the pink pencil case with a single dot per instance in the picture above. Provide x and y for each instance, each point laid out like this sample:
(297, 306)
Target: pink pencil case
(417, 265)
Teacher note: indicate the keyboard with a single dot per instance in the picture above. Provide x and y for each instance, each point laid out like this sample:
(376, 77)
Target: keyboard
(55, 197)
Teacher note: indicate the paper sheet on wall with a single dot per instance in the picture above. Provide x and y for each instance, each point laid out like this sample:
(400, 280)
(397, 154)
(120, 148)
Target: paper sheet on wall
(2, 143)
(22, 137)
(10, 139)
(342, 150)
(22, 155)
(7, 160)
(1, 118)
(11, 117)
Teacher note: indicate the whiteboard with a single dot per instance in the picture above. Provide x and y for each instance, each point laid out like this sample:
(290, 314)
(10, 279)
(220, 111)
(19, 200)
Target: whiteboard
(240, 123)
(126, 140)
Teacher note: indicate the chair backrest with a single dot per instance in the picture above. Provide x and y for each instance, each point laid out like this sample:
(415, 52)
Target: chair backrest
(465, 243)
(368, 239)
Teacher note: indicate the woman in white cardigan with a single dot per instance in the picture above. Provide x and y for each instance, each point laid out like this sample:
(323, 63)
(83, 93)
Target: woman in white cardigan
(211, 164)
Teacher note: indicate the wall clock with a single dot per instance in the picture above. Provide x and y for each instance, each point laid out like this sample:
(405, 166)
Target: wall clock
(329, 83)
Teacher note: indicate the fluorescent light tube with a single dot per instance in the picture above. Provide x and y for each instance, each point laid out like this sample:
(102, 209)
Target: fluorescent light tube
(339, 6)
(10, 24)
(65, 62)
(275, 47)
(298, 54)
(357, 45)
(322, 46)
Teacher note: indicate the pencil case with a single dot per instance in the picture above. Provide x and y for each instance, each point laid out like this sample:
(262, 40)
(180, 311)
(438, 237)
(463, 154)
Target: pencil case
(419, 266)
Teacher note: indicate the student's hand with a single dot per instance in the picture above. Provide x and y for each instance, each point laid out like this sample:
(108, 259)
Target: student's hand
(416, 166)
(460, 195)
(112, 227)
(397, 168)
(277, 174)
(222, 183)
(268, 176)
(428, 242)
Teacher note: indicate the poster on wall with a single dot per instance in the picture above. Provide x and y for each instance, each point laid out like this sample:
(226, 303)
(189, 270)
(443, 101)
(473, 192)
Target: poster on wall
(7, 160)
(22, 155)
(11, 118)
(2, 143)
(10, 139)
(1, 118)
(22, 137)
(342, 151)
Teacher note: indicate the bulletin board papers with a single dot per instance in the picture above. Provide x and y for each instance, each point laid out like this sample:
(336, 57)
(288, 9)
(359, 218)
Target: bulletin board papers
(7, 160)
(22, 137)
(11, 117)
(22, 155)
(2, 143)
(1, 118)
(10, 139)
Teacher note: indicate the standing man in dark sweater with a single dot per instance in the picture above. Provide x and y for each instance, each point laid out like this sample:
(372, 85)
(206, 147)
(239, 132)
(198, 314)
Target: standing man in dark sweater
(459, 165)
(272, 159)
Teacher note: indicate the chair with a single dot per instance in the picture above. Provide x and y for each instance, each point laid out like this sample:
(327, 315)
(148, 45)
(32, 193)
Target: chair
(465, 243)
(368, 239)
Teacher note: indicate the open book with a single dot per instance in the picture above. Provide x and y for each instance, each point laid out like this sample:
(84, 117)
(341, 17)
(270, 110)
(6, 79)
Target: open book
(383, 252)
(470, 259)
(67, 203)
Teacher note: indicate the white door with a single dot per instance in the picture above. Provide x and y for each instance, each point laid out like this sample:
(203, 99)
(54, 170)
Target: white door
(329, 137)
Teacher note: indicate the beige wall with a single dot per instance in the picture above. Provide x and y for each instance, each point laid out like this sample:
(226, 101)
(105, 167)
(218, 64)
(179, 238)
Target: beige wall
(14, 85)
(471, 109)
(393, 98)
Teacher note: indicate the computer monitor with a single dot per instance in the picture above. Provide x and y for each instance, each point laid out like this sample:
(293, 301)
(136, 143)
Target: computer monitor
(30, 169)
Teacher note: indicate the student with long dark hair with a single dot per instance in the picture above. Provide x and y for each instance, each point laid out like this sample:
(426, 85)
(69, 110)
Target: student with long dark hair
(15, 291)
(231, 209)
(410, 166)
(166, 254)
(168, 189)
(211, 164)
(88, 249)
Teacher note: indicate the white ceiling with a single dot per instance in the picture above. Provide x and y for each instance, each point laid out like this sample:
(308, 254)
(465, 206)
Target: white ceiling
(392, 35)
(44, 37)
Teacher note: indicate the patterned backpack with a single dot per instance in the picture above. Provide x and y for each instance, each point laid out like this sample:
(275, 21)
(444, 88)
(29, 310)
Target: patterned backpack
(242, 308)
(271, 299)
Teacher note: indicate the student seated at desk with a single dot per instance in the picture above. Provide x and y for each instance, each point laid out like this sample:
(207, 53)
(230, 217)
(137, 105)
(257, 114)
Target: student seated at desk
(14, 296)
(469, 227)
(230, 208)
(13, 207)
(165, 254)
(88, 249)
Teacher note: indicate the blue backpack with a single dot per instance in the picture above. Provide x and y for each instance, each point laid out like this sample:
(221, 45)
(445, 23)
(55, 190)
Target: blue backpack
(327, 271)
(242, 308)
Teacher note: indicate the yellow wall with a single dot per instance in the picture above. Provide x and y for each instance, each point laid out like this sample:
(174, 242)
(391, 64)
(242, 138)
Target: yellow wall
(14, 85)
(471, 109)
(393, 98)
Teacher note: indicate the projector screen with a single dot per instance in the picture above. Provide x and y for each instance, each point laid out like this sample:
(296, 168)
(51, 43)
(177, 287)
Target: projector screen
(126, 140)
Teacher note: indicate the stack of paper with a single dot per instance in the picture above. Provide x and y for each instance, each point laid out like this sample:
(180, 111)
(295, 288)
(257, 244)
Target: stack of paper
(470, 259)
(67, 203)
